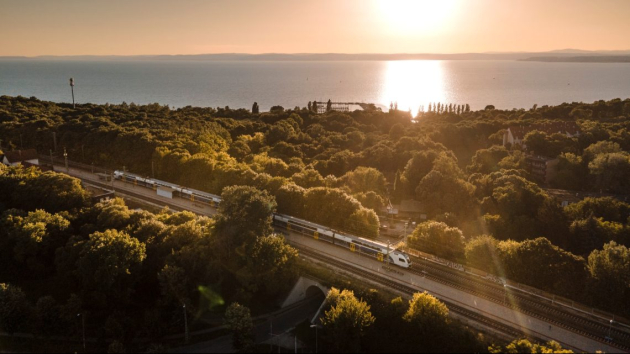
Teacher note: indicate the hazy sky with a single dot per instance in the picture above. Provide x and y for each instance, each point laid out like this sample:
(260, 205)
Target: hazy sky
(114, 27)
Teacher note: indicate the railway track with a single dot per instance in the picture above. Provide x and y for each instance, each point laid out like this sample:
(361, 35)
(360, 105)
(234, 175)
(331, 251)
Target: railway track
(577, 324)
(392, 284)
(563, 319)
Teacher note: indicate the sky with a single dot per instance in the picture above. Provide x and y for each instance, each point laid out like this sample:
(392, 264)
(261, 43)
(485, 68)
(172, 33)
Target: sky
(147, 27)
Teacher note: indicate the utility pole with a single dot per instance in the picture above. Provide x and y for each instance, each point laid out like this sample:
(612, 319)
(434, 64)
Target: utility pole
(83, 326)
(152, 169)
(387, 254)
(55, 141)
(52, 162)
(316, 326)
(72, 88)
(65, 156)
(186, 324)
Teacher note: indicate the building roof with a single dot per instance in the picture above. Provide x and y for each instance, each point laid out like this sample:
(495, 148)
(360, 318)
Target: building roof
(21, 155)
(411, 206)
(539, 158)
(562, 127)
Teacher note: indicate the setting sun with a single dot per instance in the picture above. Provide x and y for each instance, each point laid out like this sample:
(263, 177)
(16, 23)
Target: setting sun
(418, 15)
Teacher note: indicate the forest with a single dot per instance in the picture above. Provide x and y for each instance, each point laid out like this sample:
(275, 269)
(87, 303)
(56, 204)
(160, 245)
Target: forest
(484, 207)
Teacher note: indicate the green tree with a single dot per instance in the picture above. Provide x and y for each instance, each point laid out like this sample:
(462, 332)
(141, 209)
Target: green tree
(525, 346)
(608, 208)
(439, 239)
(345, 322)
(308, 178)
(612, 171)
(48, 316)
(396, 132)
(428, 320)
(441, 193)
(541, 264)
(14, 309)
(364, 180)
(487, 160)
(239, 321)
(482, 252)
(36, 237)
(270, 266)
(610, 268)
(245, 213)
(106, 262)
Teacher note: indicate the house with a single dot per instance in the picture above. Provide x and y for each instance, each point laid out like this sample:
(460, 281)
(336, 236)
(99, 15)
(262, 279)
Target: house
(515, 134)
(408, 208)
(542, 168)
(21, 157)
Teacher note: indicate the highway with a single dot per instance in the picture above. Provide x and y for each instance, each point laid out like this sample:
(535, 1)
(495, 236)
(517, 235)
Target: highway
(484, 302)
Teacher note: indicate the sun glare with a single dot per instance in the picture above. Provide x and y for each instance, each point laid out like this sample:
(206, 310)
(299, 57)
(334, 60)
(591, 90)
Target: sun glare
(412, 84)
(413, 16)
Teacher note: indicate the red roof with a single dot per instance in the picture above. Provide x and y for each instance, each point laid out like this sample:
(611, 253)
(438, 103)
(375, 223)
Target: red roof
(563, 127)
(21, 155)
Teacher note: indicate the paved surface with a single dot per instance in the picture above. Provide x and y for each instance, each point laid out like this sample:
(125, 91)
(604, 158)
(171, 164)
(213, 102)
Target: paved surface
(279, 324)
(537, 327)
(490, 309)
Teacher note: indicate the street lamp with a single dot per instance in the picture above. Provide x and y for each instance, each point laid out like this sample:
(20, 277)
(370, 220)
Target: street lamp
(504, 293)
(65, 156)
(83, 326)
(609, 330)
(186, 325)
(316, 327)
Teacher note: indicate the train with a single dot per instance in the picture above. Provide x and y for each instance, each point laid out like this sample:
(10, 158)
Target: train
(380, 251)
(353, 243)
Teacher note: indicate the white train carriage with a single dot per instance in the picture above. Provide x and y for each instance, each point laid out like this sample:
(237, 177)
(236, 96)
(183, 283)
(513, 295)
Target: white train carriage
(353, 243)
(182, 192)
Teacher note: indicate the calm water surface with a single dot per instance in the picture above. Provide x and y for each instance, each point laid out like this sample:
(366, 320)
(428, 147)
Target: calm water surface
(505, 84)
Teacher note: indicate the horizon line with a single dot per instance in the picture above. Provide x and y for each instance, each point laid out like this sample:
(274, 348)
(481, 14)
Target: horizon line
(554, 51)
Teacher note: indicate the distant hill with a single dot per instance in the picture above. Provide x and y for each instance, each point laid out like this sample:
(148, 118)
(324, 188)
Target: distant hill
(583, 59)
(564, 53)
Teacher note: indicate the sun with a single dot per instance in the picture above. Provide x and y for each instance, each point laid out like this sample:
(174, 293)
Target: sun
(414, 16)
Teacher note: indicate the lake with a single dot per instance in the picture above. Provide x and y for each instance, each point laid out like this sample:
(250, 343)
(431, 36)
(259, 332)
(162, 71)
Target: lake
(504, 84)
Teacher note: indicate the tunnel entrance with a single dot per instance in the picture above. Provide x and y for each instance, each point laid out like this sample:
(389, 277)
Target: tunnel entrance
(313, 292)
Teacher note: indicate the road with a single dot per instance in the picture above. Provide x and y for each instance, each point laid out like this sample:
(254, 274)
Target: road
(279, 324)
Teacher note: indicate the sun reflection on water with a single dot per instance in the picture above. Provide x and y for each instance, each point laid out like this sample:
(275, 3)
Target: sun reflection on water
(413, 83)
